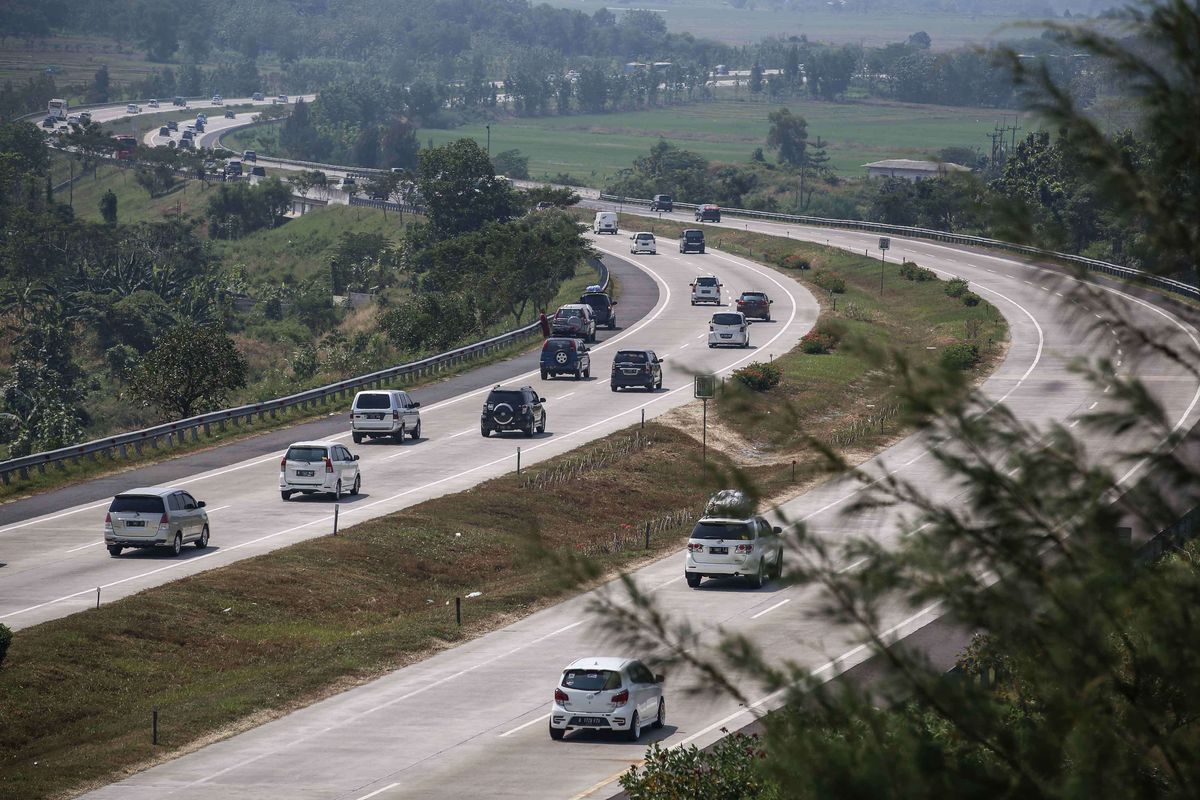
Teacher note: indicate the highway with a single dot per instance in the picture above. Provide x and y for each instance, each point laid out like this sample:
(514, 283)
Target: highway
(470, 722)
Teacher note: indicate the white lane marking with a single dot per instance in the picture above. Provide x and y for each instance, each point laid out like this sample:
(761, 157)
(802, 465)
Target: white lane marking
(526, 725)
(1093, 405)
(782, 602)
(1029, 282)
(460, 433)
(1045, 288)
(565, 396)
(406, 451)
(38, 520)
(684, 346)
(82, 546)
(1073, 424)
(1060, 294)
(379, 791)
(1106, 388)
(1097, 316)
(989, 270)
(387, 704)
(855, 565)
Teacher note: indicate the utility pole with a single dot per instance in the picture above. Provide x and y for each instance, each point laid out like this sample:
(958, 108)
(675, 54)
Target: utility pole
(489, 140)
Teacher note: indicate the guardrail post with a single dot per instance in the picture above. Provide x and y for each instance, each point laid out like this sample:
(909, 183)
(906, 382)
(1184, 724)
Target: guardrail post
(154, 442)
(7, 477)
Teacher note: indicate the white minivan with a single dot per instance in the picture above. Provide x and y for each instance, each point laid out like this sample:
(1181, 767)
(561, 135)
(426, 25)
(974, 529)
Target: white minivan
(605, 222)
(643, 243)
(319, 468)
(729, 328)
(384, 413)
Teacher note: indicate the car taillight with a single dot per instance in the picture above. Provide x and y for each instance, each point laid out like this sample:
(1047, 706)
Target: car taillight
(620, 698)
(572, 345)
(283, 464)
(108, 519)
(560, 696)
(742, 329)
(163, 521)
(744, 548)
(395, 414)
(328, 465)
(648, 369)
(694, 547)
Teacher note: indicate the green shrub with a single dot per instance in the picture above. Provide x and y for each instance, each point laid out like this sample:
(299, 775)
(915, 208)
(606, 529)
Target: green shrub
(795, 261)
(971, 299)
(816, 343)
(5, 641)
(856, 312)
(729, 769)
(758, 376)
(911, 272)
(960, 356)
(957, 287)
(829, 282)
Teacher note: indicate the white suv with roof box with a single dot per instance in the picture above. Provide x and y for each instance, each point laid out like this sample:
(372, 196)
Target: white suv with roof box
(144, 518)
(607, 694)
(384, 413)
(319, 468)
(726, 543)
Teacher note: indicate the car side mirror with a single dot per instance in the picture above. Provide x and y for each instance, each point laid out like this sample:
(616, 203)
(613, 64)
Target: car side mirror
(613, 303)
(354, 458)
(199, 504)
(658, 361)
(659, 677)
(416, 405)
(777, 529)
(541, 399)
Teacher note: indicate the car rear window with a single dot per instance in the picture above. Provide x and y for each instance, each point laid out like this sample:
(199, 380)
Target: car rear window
(563, 313)
(306, 454)
(753, 296)
(141, 504)
(727, 319)
(595, 300)
(666, 198)
(693, 236)
(723, 530)
(644, 237)
(374, 400)
(591, 680)
(512, 398)
(630, 357)
(706, 281)
(558, 344)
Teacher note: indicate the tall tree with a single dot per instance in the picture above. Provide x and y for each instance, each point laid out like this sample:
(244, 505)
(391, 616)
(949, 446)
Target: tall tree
(460, 188)
(788, 135)
(191, 369)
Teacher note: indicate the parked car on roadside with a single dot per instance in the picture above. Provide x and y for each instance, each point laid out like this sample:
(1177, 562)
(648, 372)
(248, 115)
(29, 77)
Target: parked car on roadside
(565, 356)
(319, 468)
(384, 413)
(729, 329)
(607, 694)
(643, 243)
(604, 308)
(755, 304)
(691, 241)
(148, 518)
(706, 289)
(574, 320)
(507, 409)
(662, 202)
(636, 368)
(708, 213)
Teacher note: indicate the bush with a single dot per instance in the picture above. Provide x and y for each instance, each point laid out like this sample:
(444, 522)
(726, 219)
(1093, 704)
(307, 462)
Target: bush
(816, 343)
(856, 312)
(960, 356)
(759, 376)
(5, 641)
(971, 299)
(957, 287)
(911, 272)
(795, 261)
(729, 769)
(829, 282)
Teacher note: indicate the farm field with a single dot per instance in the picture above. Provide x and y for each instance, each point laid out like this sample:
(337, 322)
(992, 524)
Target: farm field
(593, 147)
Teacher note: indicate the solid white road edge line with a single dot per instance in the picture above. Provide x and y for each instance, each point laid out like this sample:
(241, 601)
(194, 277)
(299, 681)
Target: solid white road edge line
(782, 602)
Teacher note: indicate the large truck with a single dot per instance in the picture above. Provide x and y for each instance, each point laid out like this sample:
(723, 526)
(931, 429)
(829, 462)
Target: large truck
(57, 108)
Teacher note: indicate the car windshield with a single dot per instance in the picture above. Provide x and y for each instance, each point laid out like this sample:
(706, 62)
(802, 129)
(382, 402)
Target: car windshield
(141, 504)
(727, 319)
(693, 236)
(563, 313)
(723, 530)
(631, 357)
(374, 400)
(591, 680)
(306, 454)
(706, 281)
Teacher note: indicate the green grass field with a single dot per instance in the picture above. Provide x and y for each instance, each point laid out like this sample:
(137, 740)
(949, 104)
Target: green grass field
(592, 147)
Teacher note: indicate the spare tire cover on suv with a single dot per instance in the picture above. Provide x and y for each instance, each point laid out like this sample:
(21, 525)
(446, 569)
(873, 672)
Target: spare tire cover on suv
(503, 413)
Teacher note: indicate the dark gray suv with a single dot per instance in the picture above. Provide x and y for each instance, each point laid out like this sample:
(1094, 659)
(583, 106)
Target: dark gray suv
(641, 368)
(513, 410)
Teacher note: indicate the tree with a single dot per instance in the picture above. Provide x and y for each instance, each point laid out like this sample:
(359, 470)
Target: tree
(512, 164)
(756, 78)
(191, 369)
(158, 28)
(398, 145)
(920, 40)
(97, 92)
(788, 134)
(460, 188)
(108, 207)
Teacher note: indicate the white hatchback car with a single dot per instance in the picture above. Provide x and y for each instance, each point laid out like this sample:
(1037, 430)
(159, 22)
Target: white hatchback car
(607, 694)
(318, 468)
(723, 547)
(729, 328)
(643, 243)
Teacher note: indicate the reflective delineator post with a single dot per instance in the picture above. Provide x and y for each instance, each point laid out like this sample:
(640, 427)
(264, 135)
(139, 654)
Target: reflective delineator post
(336, 507)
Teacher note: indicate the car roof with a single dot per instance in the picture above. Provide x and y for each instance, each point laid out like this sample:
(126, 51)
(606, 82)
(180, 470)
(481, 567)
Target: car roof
(644, 233)
(740, 314)
(728, 520)
(564, 339)
(753, 291)
(499, 388)
(313, 444)
(148, 490)
(599, 662)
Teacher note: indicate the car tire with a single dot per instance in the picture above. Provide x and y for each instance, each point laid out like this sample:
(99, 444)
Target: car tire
(613, 387)
(530, 430)
(337, 491)
(587, 373)
(660, 719)
(612, 325)
(114, 551)
(357, 486)
(711, 346)
(578, 374)
(416, 431)
(357, 437)
(635, 729)
(285, 495)
(177, 544)
(545, 375)
(693, 580)
(202, 542)
(657, 384)
(757, 580)
(541, 428)
(767, 318)
(701, 251)
(557, 733)
(483, 429)
(777, 569)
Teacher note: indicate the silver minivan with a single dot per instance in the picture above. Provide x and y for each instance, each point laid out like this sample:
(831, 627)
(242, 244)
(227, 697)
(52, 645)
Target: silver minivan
(142, 518)
(384, 413)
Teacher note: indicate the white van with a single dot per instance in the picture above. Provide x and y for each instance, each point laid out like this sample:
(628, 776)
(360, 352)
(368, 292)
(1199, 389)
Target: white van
(605, 222)
(384, 413)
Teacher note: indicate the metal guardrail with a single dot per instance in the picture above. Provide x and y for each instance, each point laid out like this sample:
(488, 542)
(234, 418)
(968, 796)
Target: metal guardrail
(1094, 265)
(135, 442)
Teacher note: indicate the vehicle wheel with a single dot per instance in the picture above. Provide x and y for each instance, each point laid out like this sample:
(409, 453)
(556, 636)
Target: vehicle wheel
(612, 386)
(612, 325)
(358, 438)
(541, 428)
(658, 383)
(557, 733)
(354, 490)
(635, 729)
(587, 373)
(416, 432)
(661, 719)
(177, 544)
(286, 495)
(745, 344)
(777, 570)
(757, 580)
(701, 251)
(767, 318)
(693, 580)
(711, 346)
(398, 436)
(114, 551)
(202, 542)
(545, 374)
(483, 429)
(578, 374)
(530, 430)
(337, 490)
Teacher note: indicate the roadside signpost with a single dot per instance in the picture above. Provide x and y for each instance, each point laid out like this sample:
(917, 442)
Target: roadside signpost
(705, 388)
(885, 242)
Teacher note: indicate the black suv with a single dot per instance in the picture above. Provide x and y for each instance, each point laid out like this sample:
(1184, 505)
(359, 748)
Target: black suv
(708, 213)
(662, 202)
(691, 241)
(513, 410)
(602, 308)
(636, 368)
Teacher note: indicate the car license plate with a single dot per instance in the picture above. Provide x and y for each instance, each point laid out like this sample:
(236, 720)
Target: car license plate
(590, 721)
(726, 335)
(630, 371)
(305, 473)
(719, 551)
(374, 416)
(135, 523)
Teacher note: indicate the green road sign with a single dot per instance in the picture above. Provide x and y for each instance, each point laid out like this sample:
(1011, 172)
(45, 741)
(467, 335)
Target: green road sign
(706, 387)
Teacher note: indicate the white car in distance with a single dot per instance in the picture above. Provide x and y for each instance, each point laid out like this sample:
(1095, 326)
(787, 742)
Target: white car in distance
(706, 289)
(729, 328)
(643, 243)
(319, 468)
(721, 547)
(607, 694)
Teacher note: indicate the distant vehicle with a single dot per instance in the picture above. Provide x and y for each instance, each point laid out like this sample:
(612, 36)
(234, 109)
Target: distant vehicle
(574, 320)
(233, 168)
(200, 125)
(643, 243)
(249, 155)
(153, 104)
(58, 108)
(164, 131)
(201, 117)
(258, 172)
(172, 125)
(604, 222)
(179, 101)
(257, 97)
(729, 329)
(189, 133)
(755, 304)
(607, 694)
(513, 410)
(565, 356)
(347, 184)
(662, 202)
(706, 289)
(216, 100)
(708, 213)
(126, 147)
(641, 368)
(722, 69)
(133, 108)
(283, 98)
(73, 119)
(733, 543)
(390, 413)
(85, 117)
(229, 114)
(543, 206)
(319, 468)
(49, 122)
(145, 518)
(186, 143)
(603, 307)
(691, 241)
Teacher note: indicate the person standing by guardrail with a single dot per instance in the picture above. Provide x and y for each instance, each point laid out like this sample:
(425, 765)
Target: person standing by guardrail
(545, 323)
